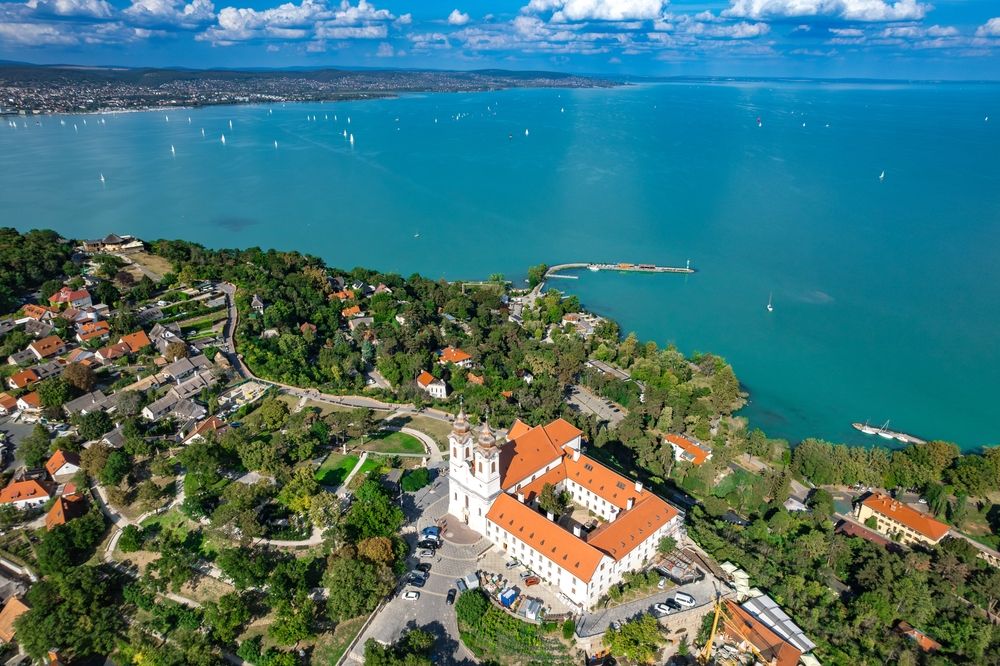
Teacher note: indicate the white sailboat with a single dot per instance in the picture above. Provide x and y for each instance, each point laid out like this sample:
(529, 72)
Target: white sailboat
(525, 132)
(230, 124)
(102, 178)
(884, 433)
(345, 134)
(352, 139)
(223, 139)
(203, 131)
(881, 176)
(172, 151)
(275, 144)
(189, 120)
(348, 120)
(75, 128)
(62, 122)
(166, 119)
(770, 304)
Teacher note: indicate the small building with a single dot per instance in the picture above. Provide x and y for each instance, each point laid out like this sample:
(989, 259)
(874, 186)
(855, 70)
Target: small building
(745, 628)
(8, 404)
(473, 378)
(136, 341)
(688, 450)
(434, 387)
(923, 641)
(95, 401)
(13, 609)
(46, 347)
(765, 609)
(455, 356)
(24, 494)
(185, 367)
(89, 331)
(899, 521)
(30, 402)
(63, 465)
(353, 311)
(357, 322)
(38, 312)
(306, 327)
(77, 298)
(113, 352)
(65, 509)
(23, 379)
(257, 304)
(212, 424)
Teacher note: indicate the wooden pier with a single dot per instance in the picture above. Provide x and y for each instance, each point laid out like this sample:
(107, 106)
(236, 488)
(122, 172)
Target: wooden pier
(553, 271)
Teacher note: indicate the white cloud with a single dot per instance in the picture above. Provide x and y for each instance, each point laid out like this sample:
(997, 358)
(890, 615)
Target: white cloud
(385, 50)
(34, 34)
(310, 19)
(457, 18)
(989, 29)
(742, 30)
(847, 10)
(84, 8)
(171, 12)
(596, 10)
(919, 32)
(404, 19)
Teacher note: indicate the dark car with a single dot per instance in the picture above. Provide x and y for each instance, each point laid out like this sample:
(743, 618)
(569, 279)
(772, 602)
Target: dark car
(672, 605)
(429, 544)
(424, 566)
(451, 596)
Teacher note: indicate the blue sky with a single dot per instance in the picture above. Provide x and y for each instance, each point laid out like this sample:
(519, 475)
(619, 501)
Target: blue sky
(955, 39)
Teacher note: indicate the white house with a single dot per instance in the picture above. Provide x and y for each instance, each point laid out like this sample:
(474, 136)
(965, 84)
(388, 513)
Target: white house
(494, 488)
(24, 494)
(63, 465)
(436, 388)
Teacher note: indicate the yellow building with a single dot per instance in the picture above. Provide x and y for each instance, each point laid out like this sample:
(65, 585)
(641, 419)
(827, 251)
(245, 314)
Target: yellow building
(899, 521)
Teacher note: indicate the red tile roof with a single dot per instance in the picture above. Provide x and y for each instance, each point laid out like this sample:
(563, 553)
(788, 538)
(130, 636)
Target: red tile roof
(31, 399)
(36, 311)
(47, 346)
(925, 642)
(93, 329)
(211, 424)
(697, 454)
(112, 352)
(475, 379)
(454, 355)
(746, 627)
(306, 326)
(65, 509)
(517, 428)
(13, 609)
(352, 311)
(8, 402)
(566, 551)
(901, 513)
(24, 378)
(21, 490)
(425, 379)
(136, 340)
(60, 458)
(619, 537)
(67, 295)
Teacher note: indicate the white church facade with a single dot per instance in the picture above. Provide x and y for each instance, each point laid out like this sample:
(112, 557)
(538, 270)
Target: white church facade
(494, 488)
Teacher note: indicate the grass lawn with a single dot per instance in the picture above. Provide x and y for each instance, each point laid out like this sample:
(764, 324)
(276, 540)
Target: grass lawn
(330, 647)
(372, 464)
(438, 430)
(335, 468)
(389, 441)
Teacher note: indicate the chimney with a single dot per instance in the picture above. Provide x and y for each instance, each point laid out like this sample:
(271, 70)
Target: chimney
(630, 503)
(576, 455)
(638, 486)
(550, 515)
(520, 497)
(576, 531)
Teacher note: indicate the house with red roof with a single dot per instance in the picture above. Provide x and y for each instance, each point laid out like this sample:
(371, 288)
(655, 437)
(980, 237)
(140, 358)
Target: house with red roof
(688, 450)
(90, 331)
(30, 402)
(13, 609)
(24, 494)
(455, 356)
(48, 346)
(77, 298)
(112, 352)
(136, 341)
(432, 386)
(495, 485)
(923, 641)
(65, 509)
(63, 465)
(899, 521)
(8, 404)
(23, 379)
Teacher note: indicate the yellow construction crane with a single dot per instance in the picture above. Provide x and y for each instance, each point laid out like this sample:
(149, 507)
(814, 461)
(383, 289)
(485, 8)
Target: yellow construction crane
(732, 625)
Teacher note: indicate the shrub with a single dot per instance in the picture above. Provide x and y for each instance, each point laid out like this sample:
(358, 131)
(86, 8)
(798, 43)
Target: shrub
(568, 629)
(131, 540)
(415, 479)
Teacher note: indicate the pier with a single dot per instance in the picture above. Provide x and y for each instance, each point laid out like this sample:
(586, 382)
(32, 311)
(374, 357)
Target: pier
(553, 271)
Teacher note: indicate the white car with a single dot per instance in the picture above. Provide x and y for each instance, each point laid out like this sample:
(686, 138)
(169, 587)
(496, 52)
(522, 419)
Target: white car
(425, 552)
(411, 595)
(662, 584)
(684, 599)
(661, 610)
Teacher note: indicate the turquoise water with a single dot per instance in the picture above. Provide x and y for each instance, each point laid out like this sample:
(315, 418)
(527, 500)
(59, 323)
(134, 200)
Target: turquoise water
(886, 294)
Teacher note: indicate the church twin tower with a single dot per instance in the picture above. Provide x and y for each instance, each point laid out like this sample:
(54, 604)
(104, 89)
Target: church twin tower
(475, 472)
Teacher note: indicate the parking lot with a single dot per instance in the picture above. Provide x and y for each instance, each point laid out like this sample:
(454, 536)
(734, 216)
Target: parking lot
(584, 400)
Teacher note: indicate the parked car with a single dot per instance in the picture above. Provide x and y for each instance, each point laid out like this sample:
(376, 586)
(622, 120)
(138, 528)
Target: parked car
(662, 584)
(429, 544)
(684, 599)
(425, 567)
(411, 595)
(616, 625)
(461, 584)
(451, 596)
(673, 605)
(425, 552)
(532, 580)
(512, 564)
(527, 574)
(432, 531)
(418, 582)
(660, 610)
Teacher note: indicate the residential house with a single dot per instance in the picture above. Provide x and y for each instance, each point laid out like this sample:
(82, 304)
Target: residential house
(306, 327)
(342, 295)
(113, 352)
(13, 609)
(136, 341)
(212, 424)
(688, 450)
(353, 311)
(95, 401)
(184, 367)
(23, 379)
(358, 322)
(194, 384)
(257, 304)
(8, 404)
(455, 356)
(923, 641)
(38, 329)
(65, 509)
(473, 378)
(82, 356)
(63, 465)
(47, 347)
(48, 369)
(382, 289)
(38, 312)
(22, 358)
(899, 521)
(163, 335)
(114, 438)
(174, 406)
(24, 494)
(76, 298)
(434, 387)
(30, 402)
(92, 330)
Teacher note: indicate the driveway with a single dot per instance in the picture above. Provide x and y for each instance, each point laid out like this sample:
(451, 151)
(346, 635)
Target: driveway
(431, 611)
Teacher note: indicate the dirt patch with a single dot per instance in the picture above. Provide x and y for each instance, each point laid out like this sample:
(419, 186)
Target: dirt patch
(155, 266)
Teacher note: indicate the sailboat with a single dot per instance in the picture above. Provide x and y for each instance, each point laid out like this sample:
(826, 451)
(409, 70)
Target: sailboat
(884, 433)
(62, 122)
(203, 131)
(275, 144)
(352, 139)
(881, 176)
(345, 134)
(525, 132)
(166, 119)
(759, 123)
(75, 128)
(230, 124)
(562, 109)
(348, 120)
(223, 139)
(770, 305)
(172, 151)
(102, 177)
(189, 120)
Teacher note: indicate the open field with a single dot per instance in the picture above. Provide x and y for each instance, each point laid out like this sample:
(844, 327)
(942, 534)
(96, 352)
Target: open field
(330, 647)
(335, 468)
(388, 442)
(438, 430)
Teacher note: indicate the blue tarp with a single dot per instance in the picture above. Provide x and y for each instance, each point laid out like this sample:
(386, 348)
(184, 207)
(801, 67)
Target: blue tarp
(508, 596)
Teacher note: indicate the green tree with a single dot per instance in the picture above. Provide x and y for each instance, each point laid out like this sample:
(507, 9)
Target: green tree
(373, 513)
(356, 586)
(131, 539)
(93, 425)
(638, 639)
(116, 468)
(227, 616)
(34, 448)
(666, 545)
(552, 500)
(79, 376)
(54, 392)
(246, 567)
(536, 274)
